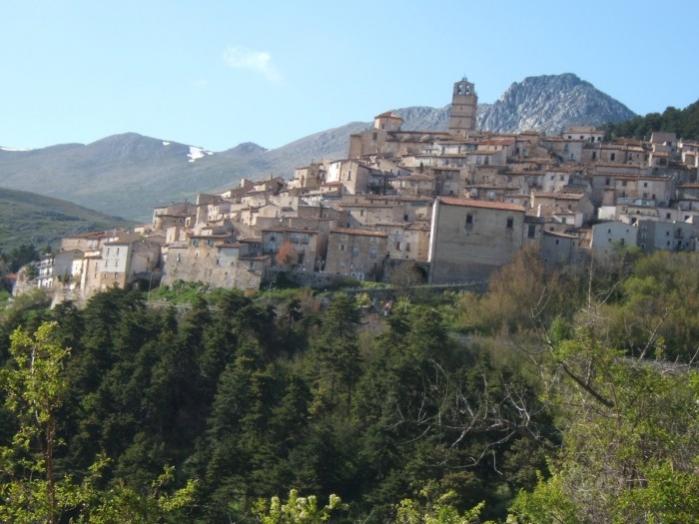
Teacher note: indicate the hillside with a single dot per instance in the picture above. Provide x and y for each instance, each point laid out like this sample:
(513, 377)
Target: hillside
(683, 122)
(31, 218)
(128, 174)
(507, 401)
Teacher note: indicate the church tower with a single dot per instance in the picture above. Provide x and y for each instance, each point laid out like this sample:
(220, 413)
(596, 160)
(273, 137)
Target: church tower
(462, 117)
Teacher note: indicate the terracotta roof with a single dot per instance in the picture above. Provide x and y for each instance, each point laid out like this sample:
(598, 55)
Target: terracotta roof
(288, 230)
(485, 204)
(560, 196)
(358, 232)
(92, 235)
(557, 234)
(212, 235)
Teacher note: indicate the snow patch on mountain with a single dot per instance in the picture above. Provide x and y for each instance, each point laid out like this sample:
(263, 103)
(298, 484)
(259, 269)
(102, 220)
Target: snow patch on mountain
(195, 153)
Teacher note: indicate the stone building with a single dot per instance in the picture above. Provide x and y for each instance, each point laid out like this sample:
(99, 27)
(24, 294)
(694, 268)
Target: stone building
(222, 263)
(359, 253)
(609, 237)
(659, 235)
(464, 103)
(471, 238)
(298, 248)
(128, 259)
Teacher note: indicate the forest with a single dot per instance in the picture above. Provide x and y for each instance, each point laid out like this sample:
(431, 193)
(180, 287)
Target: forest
(683, 122)
(557, 396)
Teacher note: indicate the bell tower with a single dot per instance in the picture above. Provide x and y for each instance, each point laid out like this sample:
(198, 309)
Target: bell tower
(464, 102)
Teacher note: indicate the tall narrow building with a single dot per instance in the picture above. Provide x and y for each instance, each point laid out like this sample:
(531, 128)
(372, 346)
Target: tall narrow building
(464, 102)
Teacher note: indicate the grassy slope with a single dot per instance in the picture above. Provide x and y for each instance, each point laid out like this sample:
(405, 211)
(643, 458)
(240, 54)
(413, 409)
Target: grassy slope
(28, 217)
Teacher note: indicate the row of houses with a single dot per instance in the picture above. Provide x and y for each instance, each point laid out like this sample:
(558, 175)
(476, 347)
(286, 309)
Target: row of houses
(456, 204)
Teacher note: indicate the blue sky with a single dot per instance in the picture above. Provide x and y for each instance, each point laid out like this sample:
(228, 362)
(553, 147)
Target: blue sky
(216, 73)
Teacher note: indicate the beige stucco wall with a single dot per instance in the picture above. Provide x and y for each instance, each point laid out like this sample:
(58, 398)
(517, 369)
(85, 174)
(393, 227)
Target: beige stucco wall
(459, 253)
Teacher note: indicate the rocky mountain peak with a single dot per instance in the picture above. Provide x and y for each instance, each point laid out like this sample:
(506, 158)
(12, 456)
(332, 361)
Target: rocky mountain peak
(551, 103)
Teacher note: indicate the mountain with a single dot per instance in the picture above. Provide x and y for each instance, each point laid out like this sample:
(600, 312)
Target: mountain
(31, 218)
(551, 103)
(129, 174)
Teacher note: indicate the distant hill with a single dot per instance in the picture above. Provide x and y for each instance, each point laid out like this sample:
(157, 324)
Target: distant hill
(128, 174)
(683, 122)
(31, 218)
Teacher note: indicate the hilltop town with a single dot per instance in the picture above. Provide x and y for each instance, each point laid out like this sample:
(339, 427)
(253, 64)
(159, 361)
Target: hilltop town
(435, 207)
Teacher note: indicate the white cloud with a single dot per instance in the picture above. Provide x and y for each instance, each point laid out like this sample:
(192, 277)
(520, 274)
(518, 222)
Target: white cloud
(257, 61)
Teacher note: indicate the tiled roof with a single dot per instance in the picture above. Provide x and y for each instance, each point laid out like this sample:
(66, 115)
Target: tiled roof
(358, 232)
(484, 204)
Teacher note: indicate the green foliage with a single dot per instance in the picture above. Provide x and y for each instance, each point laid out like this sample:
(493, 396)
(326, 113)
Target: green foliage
(19, 256)
(547, 503)
(42, 220)
(546, 399)
(438, 512)
(683, 122)
(668, 495)
(297, 510)
(32, 489)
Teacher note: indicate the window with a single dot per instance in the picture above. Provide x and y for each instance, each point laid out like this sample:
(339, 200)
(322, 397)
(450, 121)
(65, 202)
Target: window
(398, 246)
(531, 231)
(342, 247)
(374, 136)
(594, 155)
(469, 221)
(668, 215)
(510, 222)
(623, 183)
(645, 184)
(612, 157)
(407, 247)
(608, 181)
